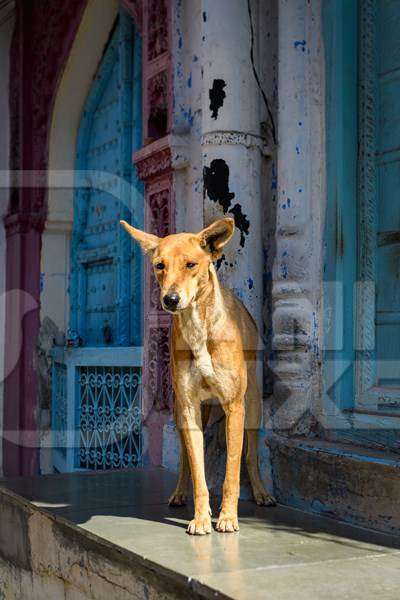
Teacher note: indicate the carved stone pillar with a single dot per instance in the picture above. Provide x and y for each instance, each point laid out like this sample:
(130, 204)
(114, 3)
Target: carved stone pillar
(297, 275)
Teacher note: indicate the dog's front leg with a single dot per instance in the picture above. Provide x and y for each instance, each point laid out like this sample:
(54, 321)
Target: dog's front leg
(189, 423)
(234, 429)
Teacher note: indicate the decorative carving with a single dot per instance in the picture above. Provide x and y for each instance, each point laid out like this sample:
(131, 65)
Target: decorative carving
(154, 295)
(158, 220)
(24, 222)
(157, 98)
(157, 42)
(159, 212)
(235, 138)
(159, 387)
(154, 164)
(159, 224)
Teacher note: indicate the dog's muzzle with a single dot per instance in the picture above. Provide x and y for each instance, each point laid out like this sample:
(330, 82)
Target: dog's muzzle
(171, 301)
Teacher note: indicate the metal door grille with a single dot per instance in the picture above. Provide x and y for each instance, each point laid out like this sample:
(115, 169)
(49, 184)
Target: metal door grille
(110, 417)
(60, 416)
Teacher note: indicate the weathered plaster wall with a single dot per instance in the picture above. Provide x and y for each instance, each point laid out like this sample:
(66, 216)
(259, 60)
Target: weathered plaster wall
(91, 38)
(6, 30)
(46, 557)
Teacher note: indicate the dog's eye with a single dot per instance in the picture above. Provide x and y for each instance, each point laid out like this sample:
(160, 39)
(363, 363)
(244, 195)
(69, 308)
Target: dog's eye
(159, 266)
(190, 265)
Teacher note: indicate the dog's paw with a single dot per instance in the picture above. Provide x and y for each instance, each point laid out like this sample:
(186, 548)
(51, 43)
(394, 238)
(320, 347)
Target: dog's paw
(264, 499)
(199, 525)
(177, 499)
(227, 523)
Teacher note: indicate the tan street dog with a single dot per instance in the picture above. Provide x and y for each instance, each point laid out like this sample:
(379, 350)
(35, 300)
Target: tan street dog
(213, 356)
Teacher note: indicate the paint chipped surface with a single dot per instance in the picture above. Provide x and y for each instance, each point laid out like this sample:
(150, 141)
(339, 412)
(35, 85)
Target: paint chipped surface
(217, 96)
(216, 183)
(300, 44)
(241, 222)
(216, 186)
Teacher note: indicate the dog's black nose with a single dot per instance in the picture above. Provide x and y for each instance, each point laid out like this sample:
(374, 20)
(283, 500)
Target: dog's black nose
(171, 301)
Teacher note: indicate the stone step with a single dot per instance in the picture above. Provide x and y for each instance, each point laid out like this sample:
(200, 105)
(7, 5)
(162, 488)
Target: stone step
(347, 482)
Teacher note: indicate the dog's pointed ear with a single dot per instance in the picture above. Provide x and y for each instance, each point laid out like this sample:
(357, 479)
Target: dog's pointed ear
(147, 241)
(214, 237)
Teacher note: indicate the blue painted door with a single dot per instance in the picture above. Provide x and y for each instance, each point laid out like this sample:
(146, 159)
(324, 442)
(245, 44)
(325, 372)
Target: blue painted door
(378, 372)
(106, 295)
(102, 374)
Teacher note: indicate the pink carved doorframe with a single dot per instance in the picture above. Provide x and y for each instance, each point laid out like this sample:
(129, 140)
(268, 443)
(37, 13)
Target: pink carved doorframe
(154, 167)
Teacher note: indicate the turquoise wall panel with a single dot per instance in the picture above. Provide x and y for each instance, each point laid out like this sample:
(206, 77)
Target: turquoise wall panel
(362, 236)
(340, 33)
(387, 249)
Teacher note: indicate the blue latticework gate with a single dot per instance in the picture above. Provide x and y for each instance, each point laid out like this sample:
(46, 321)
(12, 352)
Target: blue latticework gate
(110, 417)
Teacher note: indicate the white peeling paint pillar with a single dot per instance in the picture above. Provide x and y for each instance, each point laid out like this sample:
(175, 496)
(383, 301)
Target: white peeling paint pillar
(231, 144)
(298, 262)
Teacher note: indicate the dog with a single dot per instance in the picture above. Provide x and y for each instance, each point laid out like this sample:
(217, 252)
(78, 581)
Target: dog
(213, 357)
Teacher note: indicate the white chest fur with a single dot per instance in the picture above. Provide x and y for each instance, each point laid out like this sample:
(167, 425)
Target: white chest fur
(194, 332)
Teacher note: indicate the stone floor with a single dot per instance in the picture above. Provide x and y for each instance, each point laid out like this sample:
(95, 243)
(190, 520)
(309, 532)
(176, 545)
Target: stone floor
(279, 553)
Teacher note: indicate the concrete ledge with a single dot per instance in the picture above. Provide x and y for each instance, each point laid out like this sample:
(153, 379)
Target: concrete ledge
(338, 480)
(111, 536)
(46, 556)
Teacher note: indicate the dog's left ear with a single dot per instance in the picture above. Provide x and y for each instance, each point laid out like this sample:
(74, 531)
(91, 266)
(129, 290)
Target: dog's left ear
(214, 237)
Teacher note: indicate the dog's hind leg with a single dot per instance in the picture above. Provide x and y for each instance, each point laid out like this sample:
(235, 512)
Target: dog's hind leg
(178, 498)
(205, 414)
(261, 496)
(252, 426)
